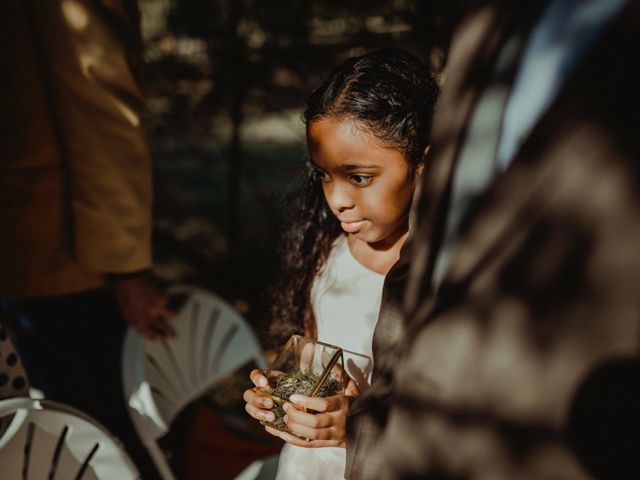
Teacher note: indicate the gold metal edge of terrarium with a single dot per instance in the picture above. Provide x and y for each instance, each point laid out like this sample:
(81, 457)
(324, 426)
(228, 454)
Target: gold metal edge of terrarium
(282, 352)
(326, 372)
(296, 338)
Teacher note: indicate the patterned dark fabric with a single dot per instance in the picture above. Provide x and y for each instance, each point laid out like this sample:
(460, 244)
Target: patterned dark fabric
(525, 361)
(13, 379)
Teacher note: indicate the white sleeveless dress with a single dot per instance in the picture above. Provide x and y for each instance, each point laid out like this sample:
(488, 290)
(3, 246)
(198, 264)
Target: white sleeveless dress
(346, 300)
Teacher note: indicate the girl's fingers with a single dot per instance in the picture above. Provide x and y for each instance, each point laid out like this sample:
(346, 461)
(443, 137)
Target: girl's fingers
(352, 389)
(256, 400)
(298, 417)
(312, 433)
(277, 433)
(258, 406)
(258, 378)
(306, 356)
(304, 442)
(318, 404)
(259, 414)
(293, 440)
(301, 442)
(336, 370)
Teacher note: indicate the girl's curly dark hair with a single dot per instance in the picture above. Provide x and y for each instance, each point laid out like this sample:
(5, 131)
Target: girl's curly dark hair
(387, 93)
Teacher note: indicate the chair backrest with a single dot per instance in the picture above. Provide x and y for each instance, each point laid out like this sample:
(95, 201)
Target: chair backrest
(161, 377)
(49, 441)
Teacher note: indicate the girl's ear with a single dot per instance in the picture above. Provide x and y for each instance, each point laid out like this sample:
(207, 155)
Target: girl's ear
(420, 167)
(425, 155)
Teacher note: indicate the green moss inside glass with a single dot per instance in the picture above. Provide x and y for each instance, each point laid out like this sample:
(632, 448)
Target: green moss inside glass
(296, 381)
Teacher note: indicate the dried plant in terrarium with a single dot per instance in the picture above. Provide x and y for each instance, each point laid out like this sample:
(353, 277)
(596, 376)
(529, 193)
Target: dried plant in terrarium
(306, 367)
(300, 382)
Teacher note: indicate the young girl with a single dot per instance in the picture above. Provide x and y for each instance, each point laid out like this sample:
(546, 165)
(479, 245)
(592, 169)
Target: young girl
(367, 135)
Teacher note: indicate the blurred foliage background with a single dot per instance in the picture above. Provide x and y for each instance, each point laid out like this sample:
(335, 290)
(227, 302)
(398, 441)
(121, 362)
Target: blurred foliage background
(225, 82)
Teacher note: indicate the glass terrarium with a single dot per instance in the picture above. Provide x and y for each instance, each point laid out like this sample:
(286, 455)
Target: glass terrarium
(304, 366)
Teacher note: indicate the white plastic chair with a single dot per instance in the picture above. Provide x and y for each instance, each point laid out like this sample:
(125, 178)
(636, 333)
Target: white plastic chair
(161, 378)
(49, 441)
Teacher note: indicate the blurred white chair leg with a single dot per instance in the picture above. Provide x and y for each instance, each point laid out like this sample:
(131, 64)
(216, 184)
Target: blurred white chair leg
(160, 460)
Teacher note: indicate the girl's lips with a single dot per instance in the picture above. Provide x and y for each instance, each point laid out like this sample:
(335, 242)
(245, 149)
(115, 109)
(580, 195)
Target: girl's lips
(352, 227)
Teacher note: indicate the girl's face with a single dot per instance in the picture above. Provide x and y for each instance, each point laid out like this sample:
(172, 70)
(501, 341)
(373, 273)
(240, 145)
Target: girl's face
(365, 184)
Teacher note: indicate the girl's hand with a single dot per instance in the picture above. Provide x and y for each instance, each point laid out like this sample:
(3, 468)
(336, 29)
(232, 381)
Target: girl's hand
(326, 427)
(258, 406)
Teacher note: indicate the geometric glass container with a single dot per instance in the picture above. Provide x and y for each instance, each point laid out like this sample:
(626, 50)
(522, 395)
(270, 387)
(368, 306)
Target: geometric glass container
(304, 366)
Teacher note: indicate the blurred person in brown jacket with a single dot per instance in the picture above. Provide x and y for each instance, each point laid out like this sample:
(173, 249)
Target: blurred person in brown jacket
(75, 199)
(508, 342)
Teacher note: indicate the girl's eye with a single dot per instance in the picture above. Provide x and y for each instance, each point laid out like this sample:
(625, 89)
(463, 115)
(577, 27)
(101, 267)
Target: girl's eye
(361, 180)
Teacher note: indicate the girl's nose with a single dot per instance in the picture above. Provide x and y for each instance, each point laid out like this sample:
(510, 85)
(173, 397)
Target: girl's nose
(338, 196)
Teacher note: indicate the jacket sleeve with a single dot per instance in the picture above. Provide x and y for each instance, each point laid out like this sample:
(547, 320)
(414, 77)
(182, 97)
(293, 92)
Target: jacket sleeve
(90, 53)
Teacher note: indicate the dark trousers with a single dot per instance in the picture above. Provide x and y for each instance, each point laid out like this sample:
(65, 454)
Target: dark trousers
(71, 348)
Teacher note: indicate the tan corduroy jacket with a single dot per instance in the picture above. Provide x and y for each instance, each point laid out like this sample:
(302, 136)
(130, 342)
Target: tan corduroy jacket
(75, 180)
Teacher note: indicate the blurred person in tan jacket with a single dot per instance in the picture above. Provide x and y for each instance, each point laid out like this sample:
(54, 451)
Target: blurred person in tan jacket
(75, 198)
